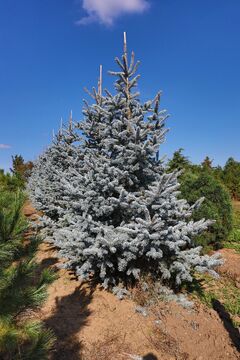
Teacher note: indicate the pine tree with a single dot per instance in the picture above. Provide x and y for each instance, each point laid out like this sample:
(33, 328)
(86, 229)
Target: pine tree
(119, 212)
(207, 163)
(21, 169)
(20, 288)
(178, 161)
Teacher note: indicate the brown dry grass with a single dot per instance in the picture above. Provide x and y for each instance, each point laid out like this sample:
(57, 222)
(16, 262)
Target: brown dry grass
(113, 346)
(165, 343)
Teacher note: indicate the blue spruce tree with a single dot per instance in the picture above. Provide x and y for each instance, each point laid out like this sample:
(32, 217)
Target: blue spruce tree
(112, 210)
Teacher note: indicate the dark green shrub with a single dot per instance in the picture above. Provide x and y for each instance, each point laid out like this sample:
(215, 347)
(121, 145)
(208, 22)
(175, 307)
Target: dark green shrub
(233, 240)
(231, 177)
(217, 205)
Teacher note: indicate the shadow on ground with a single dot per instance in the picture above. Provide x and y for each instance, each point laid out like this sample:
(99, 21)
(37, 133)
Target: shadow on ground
(149, 356)
(70, 315)
(227, 322)
(48, 262)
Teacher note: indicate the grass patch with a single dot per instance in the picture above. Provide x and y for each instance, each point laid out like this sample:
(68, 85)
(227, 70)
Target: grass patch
(209, 289)
(232, 245)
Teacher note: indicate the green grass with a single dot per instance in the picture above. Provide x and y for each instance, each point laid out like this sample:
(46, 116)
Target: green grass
(208, 289)
(232, 245)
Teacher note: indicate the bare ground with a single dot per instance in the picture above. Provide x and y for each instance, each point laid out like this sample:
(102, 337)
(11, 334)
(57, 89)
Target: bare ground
(92, 324)
(231, 266)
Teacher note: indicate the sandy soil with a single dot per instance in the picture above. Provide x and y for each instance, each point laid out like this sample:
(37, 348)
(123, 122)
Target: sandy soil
(92, 324)
(231, 266)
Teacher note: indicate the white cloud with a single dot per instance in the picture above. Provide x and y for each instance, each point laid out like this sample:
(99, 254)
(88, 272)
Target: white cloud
(5, 146)
(106, 11)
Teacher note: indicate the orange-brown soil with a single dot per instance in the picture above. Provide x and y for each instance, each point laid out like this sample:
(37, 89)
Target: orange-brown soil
(92, 324)
(231, 266)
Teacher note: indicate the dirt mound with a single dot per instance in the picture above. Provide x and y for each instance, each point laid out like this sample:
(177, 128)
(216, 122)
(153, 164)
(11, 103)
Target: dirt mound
(92, 324)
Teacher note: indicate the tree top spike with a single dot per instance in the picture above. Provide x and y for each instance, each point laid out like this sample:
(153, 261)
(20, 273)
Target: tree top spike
(125, 43)
(70, 120)
(61, 125)
(100, 81)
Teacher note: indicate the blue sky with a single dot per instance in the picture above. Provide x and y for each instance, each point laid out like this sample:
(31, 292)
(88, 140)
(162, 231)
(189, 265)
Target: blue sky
(190, 49)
